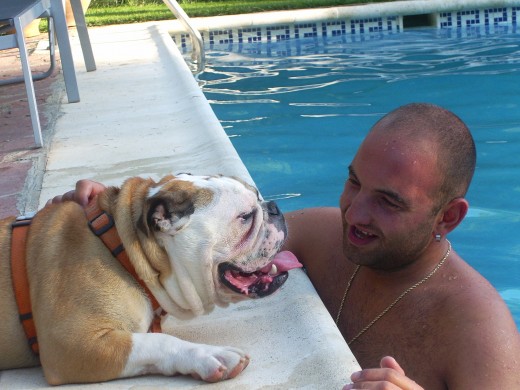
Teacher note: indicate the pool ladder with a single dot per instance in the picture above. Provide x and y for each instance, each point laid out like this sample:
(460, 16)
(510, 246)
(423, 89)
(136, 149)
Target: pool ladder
(198, 55)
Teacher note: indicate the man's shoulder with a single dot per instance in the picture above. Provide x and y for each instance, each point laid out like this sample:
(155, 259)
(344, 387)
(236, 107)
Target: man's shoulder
(315, 236)
(476, 332)
(467, 294)
(313, 230)
(473, 308)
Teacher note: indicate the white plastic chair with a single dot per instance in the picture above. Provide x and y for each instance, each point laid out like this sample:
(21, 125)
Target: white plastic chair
(17, 14)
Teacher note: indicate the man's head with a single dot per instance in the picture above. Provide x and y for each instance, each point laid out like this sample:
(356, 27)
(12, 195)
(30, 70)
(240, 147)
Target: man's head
(444, 134)
(406, 184)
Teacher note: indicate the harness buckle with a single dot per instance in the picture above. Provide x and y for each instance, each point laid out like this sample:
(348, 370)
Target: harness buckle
(23, 220)
(101, 224)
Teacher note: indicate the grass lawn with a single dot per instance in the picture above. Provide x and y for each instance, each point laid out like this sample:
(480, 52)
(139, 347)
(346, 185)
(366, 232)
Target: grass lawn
(106, 12)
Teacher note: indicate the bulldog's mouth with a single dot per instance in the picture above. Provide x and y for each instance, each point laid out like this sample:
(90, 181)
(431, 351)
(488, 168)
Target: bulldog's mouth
(262, 282)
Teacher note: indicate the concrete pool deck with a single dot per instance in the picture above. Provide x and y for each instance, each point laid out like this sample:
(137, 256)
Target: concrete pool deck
(142, 113)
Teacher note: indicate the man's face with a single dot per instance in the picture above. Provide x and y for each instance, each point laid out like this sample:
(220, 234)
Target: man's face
(387, 203)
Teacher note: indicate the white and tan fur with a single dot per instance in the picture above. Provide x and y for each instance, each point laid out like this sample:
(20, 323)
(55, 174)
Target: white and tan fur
(91, 315)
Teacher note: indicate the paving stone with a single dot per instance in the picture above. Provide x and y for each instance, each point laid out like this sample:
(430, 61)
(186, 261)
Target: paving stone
(17, 150)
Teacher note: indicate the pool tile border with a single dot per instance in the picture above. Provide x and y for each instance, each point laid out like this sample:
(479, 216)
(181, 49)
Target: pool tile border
(349, 27)
(486, 17)
(279, 33)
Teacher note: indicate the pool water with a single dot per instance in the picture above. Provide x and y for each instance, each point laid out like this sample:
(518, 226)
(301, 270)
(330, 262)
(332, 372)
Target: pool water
(297, 110)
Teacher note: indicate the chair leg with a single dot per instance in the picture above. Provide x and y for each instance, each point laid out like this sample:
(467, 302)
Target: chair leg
(84, 39)
(67, 62)
(42, 75)
(29, 86)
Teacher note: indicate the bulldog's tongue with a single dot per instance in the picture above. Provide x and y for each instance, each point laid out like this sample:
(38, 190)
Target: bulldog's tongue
(263, 281)
(284, 261)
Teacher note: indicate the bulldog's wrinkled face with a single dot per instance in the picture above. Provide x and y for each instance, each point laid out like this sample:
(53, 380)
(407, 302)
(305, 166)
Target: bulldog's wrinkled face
(222, 240)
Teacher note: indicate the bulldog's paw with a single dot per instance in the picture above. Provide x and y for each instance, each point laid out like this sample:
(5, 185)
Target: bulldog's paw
(214, 364)
(158, 353)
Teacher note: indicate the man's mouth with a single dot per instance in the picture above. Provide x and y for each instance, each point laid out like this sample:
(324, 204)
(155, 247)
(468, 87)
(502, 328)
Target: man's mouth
(262, 282)
(360, 237)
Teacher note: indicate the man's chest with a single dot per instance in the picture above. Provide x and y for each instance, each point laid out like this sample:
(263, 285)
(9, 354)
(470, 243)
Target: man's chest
(408, 331)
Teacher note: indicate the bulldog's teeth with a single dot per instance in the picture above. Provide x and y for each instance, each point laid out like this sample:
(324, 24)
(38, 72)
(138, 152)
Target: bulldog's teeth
(274, 270)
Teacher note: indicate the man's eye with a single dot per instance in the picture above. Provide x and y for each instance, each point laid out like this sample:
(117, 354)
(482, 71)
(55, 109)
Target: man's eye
(391, 204)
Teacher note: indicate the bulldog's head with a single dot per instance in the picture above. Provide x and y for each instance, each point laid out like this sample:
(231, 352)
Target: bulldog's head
(222, 241)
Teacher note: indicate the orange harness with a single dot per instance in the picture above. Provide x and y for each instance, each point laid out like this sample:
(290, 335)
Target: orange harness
(103, 226)
(19, 228)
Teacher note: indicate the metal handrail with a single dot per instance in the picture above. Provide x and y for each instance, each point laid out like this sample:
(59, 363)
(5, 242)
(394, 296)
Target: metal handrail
(198, 55)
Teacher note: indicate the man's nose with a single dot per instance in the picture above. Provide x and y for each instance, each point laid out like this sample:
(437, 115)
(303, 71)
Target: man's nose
(358, 210)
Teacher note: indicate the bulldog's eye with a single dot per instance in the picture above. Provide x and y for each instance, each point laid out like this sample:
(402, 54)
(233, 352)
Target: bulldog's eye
(247, 216)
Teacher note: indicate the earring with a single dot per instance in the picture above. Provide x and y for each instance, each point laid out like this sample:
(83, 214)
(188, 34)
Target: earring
(437, 237)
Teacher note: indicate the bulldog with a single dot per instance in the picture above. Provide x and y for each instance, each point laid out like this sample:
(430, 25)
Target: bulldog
(193, 241)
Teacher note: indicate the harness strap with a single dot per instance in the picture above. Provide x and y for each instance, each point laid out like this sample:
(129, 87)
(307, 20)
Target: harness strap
(102, 225)
(19, 229)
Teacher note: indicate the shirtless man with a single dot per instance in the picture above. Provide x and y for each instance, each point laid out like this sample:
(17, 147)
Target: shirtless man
(385, 270)
(404, 194)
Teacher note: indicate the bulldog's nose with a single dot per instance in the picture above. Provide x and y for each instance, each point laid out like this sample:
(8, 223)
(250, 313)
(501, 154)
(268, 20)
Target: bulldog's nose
(272, 208)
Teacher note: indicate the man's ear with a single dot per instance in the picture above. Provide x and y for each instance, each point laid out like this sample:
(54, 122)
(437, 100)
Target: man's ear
(452, 215)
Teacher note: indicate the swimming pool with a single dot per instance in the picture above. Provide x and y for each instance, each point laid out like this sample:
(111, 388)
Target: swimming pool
(297, 110)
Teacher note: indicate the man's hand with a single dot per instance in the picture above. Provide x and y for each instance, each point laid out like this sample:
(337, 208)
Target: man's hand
(85, 191)
(389, 377)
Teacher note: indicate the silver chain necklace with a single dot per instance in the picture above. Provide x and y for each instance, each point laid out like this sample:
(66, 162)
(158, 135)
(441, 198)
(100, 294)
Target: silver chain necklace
(439, 265)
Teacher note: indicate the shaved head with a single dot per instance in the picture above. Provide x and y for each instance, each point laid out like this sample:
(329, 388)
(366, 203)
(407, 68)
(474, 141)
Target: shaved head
(434, 129)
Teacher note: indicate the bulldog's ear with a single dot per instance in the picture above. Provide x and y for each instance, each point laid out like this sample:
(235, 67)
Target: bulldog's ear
(168, 212)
